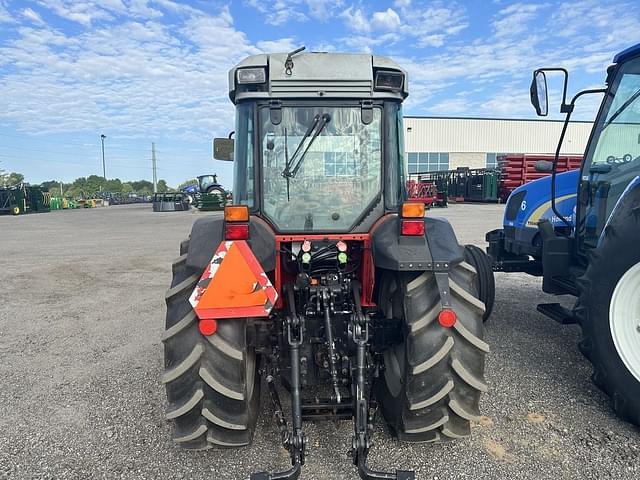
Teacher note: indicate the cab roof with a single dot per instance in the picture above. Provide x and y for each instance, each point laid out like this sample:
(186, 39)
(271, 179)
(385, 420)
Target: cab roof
(318, 74)
(627, 54)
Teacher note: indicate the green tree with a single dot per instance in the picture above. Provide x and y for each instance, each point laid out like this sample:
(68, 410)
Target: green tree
(94, 185)
(114, 185)
(162, 186)
(13, 179)
(52, 186)
(126, 188)
(142, 186)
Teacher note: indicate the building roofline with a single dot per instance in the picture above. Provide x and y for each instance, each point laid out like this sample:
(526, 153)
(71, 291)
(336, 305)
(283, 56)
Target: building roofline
(436, 117)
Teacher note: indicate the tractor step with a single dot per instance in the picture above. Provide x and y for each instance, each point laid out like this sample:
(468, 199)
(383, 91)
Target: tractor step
(557, 312)
(567, 285)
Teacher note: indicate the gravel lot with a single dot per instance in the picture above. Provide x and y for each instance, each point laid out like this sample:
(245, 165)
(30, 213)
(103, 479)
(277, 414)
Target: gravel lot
(81, 314)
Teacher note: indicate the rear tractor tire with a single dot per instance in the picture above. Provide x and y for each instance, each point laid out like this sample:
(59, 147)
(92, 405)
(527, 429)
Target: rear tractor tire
(432, 382)
(485, 282)
(608, 311)
(216, 190)
(211, 381)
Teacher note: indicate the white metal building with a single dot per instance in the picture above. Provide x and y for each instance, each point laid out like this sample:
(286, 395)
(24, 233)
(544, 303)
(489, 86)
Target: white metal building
(446, 143)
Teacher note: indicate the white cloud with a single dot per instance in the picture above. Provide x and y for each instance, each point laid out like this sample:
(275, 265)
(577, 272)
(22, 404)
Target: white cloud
(279, 12)
(514, 19)
(451, 106)
(141, 8)
(323, 9)
(355, 19)
(510, 101)
(576, 21)
(83, 12)
(430, 24)
(282, 45)
(179, 8)
(132, 77)
(5, 16)
(32, 16)
(387, 20)
(435, 40)
(368, 44)
(133, 72)
(402, 3)
(87, 12)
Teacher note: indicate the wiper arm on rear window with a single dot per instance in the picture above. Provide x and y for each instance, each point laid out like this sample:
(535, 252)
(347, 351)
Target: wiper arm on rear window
(292, 166)
(288, 161)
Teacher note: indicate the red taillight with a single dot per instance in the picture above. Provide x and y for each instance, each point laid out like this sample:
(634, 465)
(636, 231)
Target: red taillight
(412, 227)
(236, 231)
(447, 318)
(207, 326)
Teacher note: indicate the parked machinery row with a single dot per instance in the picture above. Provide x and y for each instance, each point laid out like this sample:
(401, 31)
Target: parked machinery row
(485, 184)
(23, 198)
(460, 185)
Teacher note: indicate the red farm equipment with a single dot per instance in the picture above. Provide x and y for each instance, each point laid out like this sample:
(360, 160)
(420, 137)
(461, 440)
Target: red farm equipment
(428, 188)
(518, 169)
(322, 282)
(422, 191)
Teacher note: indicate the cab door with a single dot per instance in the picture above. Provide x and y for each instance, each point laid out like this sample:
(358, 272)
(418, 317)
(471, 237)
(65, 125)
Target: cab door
(612, 160)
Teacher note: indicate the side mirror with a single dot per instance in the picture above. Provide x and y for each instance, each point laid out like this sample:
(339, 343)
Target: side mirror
(544, 166)
(223, 149)
(538, 90)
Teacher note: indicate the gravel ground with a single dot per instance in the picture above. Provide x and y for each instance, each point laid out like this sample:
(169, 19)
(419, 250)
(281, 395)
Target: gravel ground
(81, 314)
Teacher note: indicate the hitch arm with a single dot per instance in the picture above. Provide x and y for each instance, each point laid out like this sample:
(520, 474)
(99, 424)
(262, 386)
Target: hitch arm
(293, 441)
(362, 433)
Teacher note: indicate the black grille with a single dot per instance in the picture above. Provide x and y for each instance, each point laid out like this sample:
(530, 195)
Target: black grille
(513, 205)
(510, 232)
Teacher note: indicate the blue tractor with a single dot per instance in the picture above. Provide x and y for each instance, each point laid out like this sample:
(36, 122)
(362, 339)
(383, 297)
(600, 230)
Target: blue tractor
(580, 231)
(206, 188)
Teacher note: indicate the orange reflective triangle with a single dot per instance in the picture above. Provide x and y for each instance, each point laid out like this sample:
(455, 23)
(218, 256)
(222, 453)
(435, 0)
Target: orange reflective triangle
(233, 285)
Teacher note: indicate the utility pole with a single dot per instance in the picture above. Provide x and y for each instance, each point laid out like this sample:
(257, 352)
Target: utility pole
(153, 164)
(104, 170)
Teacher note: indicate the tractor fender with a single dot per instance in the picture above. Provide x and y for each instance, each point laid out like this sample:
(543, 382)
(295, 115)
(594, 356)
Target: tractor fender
(396, 252)
(208, 232)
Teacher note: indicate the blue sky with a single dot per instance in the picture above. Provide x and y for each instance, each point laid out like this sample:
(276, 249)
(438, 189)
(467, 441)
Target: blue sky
(142, 71)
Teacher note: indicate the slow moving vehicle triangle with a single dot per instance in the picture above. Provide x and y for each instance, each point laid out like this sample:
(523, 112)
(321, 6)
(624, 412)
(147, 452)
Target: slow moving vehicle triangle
(233, 285)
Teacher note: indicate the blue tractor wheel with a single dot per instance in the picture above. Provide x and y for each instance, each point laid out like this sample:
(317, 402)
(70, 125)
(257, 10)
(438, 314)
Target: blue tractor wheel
(609, 312)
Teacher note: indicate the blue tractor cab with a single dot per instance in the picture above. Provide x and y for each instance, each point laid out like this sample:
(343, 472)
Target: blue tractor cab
(207, 187)
(580, 231)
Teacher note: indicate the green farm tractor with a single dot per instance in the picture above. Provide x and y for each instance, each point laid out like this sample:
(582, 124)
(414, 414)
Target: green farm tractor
(23, 199)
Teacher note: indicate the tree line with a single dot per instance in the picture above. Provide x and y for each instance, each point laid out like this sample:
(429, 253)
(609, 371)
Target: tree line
(93, 185)
(88, 187)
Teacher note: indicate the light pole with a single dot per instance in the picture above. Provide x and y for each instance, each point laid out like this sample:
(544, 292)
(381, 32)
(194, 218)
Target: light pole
(104, 171)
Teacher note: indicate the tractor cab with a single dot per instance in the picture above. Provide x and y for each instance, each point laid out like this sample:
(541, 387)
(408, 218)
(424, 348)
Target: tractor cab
(318, 140)
(612, 161)
(207, 183)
